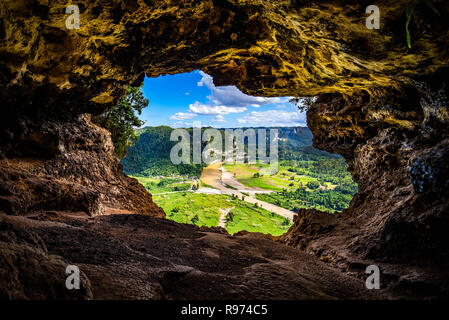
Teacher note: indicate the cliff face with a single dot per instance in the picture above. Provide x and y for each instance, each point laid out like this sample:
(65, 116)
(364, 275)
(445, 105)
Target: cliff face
(398, 158)
(384, 107)
(401, 209)
(68, 165)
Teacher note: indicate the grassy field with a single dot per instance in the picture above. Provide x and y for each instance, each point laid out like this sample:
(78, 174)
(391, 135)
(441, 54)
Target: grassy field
(203, 210)
(266, 183)
(242, 171)
(247, 217)
(162, 185)
(283, 179)
(184, 207)
(325, 185)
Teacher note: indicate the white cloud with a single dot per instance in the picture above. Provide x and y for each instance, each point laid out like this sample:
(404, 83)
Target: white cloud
(182, 124)
(273, 118)
(199, 108)
(183, 116)
(187, 93)
(219, 118)
(229, 99)
(231, 96)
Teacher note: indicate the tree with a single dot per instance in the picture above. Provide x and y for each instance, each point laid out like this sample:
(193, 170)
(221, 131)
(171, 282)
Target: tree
(195, 219)
(313, 185)
(303, 104)
(122, 121)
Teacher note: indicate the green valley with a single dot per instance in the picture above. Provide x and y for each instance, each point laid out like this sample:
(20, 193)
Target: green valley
(244, 200)
(204, 210)
(321, 184)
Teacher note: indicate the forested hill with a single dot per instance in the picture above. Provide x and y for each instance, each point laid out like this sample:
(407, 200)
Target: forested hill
(150, 155)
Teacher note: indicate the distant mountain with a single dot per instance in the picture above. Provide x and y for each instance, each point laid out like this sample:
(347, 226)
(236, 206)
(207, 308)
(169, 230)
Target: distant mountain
(150, 155)
(294, 137)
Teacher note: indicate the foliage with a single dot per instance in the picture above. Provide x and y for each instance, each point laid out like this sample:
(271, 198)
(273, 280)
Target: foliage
(409, 13)
(195, 219)
(324, 200)
(313, 185)
(303, 103)
(204, 210)
(255, 219)
(307, 178)
(163, 185)
(324, 184)
(150, 155)
(121, 121)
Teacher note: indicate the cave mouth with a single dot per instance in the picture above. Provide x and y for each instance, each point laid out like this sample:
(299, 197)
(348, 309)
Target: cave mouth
(236, 196)
(382, 104)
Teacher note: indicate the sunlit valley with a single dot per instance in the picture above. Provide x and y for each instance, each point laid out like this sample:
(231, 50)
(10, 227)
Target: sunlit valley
(238, 196)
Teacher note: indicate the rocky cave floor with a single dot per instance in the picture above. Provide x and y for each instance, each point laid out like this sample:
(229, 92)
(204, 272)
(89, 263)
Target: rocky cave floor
(126, 256)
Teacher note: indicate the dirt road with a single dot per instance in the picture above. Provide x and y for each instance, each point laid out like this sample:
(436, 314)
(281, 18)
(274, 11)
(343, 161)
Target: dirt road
(223, 214)
(212, 176)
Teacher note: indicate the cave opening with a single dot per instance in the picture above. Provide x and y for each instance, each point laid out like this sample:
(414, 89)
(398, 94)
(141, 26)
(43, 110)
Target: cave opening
(382, 104)
(236, 195)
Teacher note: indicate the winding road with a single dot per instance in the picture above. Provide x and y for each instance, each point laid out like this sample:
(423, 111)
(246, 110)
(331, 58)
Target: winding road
(216, 177)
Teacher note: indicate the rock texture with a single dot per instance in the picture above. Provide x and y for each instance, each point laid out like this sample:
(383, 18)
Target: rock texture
(384, 107)
(275, 48)
(68, 166)
(140, 257)
(401, 213)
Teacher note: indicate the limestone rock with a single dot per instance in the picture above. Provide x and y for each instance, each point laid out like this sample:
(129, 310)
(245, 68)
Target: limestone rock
(382, 106)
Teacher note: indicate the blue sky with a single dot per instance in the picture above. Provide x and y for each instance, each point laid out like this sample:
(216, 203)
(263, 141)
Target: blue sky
(179, 100)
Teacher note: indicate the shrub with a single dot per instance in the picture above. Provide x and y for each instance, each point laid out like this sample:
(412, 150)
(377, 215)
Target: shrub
(313, 185)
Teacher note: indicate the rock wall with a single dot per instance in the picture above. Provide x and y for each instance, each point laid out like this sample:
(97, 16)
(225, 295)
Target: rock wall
(68, 166)
(397, 157)
(381, 105)
(399, 218)
(271, 48)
